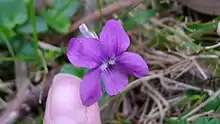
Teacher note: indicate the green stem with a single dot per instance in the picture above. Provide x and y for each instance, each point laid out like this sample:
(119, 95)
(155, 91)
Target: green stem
(7, 44)
(100, 4)
(33, 21)
(16, 58)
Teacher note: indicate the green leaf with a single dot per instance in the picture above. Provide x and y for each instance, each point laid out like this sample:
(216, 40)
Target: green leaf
(214, 121)
(39, 119)
(218, 109)
(206, 120)
(58, 16)
(201, 29)
(12, 12)
(139, 18)
(201, 120)
(28, 28)
(58, 21)
(213, 105)
(189, 99)
(8, 33)
(70, 69)
(26, 1)
(180, 121)
(51, 55)
(188, 43)
(66, 7)
(5, 35)
(24, 49)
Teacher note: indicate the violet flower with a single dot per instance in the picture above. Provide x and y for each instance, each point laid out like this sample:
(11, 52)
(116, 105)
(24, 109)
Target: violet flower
(106, 58)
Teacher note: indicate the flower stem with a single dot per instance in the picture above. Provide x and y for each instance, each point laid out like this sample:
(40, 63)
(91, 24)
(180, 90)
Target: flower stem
(33, 21)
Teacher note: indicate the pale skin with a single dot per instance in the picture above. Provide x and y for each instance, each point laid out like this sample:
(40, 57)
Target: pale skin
(64, 104)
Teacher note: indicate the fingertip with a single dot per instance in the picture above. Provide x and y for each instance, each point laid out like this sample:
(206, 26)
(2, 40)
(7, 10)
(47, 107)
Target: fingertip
(61, 120)
(64, 102)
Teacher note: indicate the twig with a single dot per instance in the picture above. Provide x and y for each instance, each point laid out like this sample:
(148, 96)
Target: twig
(105, 11)
(184, 71)
(208, 48)
(3, 103)
(133, 113)
(178, 66)
(144, 111)
(171, 101)
(47, 46)
(14, 104)
(157, 63)
(160, 97)
(5, 85)
(161, 58)
(167, 87)
(204, 57)
(160, 106)
(25, 96)
(187, 86)
(153, 93)
(161, 53)
(199, 115)
(22, 84)
(20, 74)
(212, 47)
(177, 99)
(90, 6)
(200, 70)
(126, 106)
(44, 75)
(139, 81)
(174, 68)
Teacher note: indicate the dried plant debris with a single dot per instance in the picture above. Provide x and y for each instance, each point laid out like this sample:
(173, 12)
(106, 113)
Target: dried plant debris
(179, 40)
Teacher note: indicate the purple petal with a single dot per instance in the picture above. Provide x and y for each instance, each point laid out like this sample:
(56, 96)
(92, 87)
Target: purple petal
(90, 87)
(132, 63)
(84, 52)
(114, 38)
(115, 81)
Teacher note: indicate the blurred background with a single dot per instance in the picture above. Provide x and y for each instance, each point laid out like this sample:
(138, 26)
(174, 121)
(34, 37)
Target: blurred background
(179, 39)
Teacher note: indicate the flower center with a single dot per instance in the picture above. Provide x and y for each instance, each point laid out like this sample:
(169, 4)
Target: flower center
(108, 63)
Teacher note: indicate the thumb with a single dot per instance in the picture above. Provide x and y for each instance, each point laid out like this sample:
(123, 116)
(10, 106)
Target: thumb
(64, 104)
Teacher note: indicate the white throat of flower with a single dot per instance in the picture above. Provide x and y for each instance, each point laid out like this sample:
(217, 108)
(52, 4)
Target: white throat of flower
(105, 65)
